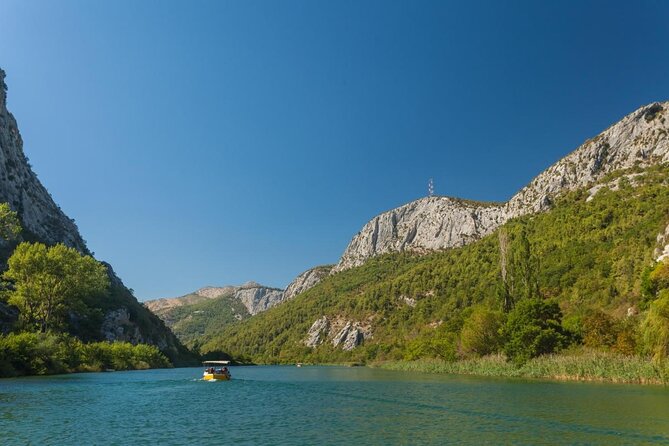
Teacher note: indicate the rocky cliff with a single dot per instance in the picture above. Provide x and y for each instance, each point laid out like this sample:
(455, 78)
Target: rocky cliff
(122, 317)
(19, 187)
(306, 280)
(432, 223)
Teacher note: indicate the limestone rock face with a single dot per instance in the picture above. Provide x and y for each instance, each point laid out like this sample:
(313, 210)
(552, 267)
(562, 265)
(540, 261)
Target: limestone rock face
(25, 194)
(433, 223)
(661, 253)
(639, 138)
(318, 332)
(117, 327)
(430, 223)
(257, 298)
(306, 280)
(343, 333)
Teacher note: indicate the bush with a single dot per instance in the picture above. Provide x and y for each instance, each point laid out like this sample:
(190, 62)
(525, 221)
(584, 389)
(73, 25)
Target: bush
(655, 328)
(533, 328)
(46, 353)
(480, 332)
(599, 330)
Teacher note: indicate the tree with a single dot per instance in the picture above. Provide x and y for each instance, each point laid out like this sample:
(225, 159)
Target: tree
(506, 292)
(10, 227)
(49, 281)
(533, 328)
(518, 266)
(655, 328)
(480, 331)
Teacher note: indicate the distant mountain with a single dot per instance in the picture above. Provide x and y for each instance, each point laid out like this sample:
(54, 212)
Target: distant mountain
(120, 316)
(210, 309)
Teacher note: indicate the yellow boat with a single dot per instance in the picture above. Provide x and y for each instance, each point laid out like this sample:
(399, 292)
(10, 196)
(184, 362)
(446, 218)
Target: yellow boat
(216, 371)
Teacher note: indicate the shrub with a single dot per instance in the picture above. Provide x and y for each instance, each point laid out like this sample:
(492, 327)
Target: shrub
(532, 329)
(655, 328)
(599, 330)
(480, 332)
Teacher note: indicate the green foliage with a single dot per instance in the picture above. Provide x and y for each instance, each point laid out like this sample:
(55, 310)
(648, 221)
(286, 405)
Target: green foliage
(10, 226)
(582, 254)
(30, 353)
(659, 277)
(192, 322)
(533, 328)
(480, 332)
(441, 345)
(599, 330)
(576, 365)
(655, 328)
(49, 281)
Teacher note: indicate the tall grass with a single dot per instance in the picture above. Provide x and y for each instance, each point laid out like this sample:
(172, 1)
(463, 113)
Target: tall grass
(582, 365)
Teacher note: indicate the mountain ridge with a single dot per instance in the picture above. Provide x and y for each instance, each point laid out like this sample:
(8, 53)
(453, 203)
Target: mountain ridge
(638, 138)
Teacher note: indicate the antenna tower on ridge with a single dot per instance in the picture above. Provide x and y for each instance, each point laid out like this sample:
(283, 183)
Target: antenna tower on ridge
(430, 188)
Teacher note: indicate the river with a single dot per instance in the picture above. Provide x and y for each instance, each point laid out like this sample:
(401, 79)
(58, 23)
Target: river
(281, 405)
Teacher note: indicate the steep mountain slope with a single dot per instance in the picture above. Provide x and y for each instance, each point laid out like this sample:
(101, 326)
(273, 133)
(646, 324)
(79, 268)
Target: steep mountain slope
(640, 138)
(119, 316)
(589, 252)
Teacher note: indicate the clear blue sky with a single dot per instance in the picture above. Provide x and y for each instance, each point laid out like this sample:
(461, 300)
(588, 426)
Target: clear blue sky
(209, 143)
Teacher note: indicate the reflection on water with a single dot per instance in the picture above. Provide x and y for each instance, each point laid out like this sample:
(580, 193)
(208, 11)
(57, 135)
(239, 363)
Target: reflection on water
(325, 405)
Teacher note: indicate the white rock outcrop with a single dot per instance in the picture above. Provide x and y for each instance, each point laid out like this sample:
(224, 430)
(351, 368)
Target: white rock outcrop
(434, 223)
(257, 298)
(343, 333)
(318, 332)
(429, 223)
(306, 280)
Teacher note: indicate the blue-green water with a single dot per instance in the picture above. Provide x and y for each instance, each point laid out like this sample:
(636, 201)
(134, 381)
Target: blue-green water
(324, 405)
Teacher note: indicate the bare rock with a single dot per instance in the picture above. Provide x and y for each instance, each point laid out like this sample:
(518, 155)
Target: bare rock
(257, 298)
(25, 194)
(435, 223)
(117, 326)
(318, 332)
(342, 333)
(306, 280)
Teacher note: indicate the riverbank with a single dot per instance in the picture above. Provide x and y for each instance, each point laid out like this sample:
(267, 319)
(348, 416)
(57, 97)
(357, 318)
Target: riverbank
(24, 354)
(580, 366)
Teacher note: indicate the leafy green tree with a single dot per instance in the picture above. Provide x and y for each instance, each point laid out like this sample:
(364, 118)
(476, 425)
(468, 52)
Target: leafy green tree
(480, 332)
(518, 265)
(659, 277)
(10, 227)
(49, 281)
(533, 328)
(599, 329)
(655, 328)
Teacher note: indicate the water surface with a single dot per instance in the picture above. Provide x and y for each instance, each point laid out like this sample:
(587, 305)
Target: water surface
(324, 405)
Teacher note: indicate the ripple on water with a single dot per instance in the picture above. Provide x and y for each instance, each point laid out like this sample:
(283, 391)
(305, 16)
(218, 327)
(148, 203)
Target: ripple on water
(324, 405)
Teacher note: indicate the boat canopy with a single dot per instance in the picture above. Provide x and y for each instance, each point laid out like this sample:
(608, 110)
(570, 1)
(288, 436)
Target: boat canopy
(215, 362)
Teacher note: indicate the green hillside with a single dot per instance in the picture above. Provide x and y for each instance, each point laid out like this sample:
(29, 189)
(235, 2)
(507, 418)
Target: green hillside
(192, 322)
(592, 257)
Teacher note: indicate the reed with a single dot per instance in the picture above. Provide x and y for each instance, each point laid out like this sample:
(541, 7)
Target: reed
(581, 365)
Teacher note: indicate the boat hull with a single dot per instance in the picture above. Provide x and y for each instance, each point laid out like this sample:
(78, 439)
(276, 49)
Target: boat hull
(215, 377)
